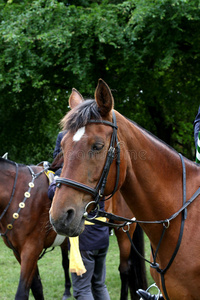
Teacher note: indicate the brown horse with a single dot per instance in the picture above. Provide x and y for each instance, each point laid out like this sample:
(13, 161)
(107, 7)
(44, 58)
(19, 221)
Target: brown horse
(152, 179)
(131, 268)
(24, 224)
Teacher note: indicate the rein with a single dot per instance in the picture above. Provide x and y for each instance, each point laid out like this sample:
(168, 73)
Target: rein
(165, 222)
(98, 191)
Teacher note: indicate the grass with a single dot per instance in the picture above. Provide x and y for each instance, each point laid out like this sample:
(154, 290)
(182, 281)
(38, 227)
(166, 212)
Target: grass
(52, 274)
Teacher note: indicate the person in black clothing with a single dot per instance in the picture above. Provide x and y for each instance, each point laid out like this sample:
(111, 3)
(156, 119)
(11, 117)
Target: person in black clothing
(57, 149)
(93, 245)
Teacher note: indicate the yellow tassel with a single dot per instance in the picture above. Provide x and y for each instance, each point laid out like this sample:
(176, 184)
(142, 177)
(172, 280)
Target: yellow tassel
(76, 264)
(75, 260)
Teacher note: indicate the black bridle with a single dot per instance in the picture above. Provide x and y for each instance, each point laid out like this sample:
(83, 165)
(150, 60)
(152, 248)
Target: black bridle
(113, 151)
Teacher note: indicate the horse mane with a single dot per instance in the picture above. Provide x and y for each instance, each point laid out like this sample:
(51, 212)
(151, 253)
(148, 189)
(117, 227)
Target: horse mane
(3, 160)
(80, 115)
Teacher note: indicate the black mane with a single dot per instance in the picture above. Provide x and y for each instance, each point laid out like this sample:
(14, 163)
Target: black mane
(80, 115)
(3, 160)
(6, 160)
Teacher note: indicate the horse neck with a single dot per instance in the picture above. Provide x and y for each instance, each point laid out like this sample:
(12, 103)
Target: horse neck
(8, 186)
(7, 177)
(153, 173)
(13, 178)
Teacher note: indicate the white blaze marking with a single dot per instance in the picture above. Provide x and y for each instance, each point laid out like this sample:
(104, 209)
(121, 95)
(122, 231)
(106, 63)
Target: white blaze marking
(78, 135)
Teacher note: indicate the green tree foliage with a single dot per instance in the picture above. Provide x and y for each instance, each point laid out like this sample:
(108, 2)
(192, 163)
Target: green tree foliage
(146, 50)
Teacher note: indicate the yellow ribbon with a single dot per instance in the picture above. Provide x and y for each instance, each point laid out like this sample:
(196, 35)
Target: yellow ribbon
(50, 176)
(76, 264)
(102, 219)
(75, 260)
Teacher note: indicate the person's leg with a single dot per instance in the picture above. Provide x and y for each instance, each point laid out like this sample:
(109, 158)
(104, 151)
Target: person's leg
(82, 284)
(99, 288)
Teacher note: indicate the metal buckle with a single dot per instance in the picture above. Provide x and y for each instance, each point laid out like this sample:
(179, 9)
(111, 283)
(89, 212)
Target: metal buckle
(85, 215)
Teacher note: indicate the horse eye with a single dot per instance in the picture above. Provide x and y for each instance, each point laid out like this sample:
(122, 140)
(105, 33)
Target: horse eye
(97, 146)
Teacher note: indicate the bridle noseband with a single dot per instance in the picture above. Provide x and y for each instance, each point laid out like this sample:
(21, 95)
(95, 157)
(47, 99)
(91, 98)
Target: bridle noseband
(113, 151)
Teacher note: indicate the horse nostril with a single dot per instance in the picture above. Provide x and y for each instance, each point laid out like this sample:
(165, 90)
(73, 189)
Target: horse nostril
(62, 224)
(69, 216)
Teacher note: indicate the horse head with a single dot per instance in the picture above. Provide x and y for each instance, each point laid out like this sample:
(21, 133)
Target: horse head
(86, 147)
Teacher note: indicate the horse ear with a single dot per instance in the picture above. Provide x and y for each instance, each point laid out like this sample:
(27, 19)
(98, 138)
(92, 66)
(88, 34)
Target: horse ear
(104, 98)
(75, 98)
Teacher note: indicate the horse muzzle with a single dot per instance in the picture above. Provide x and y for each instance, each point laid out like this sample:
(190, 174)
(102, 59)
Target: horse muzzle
(67, 224)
